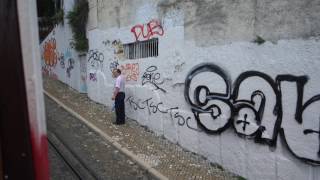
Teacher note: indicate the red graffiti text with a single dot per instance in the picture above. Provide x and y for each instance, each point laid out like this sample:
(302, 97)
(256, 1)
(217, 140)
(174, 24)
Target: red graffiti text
(142, 32)
(130, 71)
(50, 54)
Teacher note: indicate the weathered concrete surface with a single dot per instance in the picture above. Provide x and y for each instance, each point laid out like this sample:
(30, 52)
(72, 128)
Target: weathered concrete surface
(221, 33)
(59, 59)
(287, 19)
(210, 22)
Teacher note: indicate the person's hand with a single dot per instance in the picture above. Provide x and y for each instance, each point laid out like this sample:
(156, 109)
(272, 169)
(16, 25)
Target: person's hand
(113, 98)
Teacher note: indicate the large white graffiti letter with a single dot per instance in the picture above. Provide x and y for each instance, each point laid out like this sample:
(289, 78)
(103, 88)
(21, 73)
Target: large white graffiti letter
(207, 90)
(256, 102)
(300, 122)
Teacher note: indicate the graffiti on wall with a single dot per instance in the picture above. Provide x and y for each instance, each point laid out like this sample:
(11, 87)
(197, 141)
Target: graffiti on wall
(158, 107)
(50, 54)
(71, 43)
(96, 58)
(145, 32)
(70, 62)
(83, 75)
(61, 60)
(151, 76)
(45, 71)
(93, 77)
(51, 57)
(244, 108)
(113, 65)
(130, 71)
(116, 46)
(67, 53)
(70, 66)
(106, 42)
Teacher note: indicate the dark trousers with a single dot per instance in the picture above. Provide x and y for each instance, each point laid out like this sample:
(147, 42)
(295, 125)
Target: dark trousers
(119, 106)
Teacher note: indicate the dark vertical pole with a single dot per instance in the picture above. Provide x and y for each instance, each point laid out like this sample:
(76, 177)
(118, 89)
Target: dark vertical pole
(14, 123)
(1, 167)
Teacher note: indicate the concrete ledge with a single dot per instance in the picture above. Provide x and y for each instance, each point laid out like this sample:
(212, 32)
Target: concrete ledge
(156, 174)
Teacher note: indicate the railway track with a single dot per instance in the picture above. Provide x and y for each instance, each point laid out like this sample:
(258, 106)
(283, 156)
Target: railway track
(64, 163)
(81, 153)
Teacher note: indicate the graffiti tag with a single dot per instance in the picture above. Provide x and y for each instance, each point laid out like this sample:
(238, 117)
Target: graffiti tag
(150, 76)
(93, 77)
(216, 111)
(95, 58)
(70, 66)
(154, 108)
(130, 71)
(113, 65)
(50, 54)
(142, 32)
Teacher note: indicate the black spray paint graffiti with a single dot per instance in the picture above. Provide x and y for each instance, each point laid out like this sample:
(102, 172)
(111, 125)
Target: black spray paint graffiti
(310, 131)
(116, 45)
(61, 60)
(152, 77)
(70, 67)
(248, 116)
(95, 58)
(154, 108)
(93, 77)
(106, 42)
(71, 43)
(113, 65)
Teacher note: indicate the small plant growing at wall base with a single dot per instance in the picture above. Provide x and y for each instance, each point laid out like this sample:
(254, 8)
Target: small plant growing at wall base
(216, 165)
(241, 178)
(78, 18)
(259, 40)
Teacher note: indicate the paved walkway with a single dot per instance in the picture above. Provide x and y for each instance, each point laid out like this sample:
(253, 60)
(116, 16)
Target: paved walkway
(165, 157)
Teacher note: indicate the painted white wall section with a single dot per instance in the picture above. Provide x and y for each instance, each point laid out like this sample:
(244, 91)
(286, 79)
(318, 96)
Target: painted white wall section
(249, 107)
(59, 59)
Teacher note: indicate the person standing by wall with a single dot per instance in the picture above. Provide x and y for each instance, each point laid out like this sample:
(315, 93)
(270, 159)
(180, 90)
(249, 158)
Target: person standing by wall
(118, 96)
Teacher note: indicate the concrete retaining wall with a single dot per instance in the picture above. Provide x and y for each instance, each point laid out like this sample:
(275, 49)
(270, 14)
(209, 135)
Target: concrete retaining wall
(252, 108)
(59, 59)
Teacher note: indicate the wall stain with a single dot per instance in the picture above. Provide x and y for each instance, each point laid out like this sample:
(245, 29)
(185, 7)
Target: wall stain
(204, 21)
(178, 67)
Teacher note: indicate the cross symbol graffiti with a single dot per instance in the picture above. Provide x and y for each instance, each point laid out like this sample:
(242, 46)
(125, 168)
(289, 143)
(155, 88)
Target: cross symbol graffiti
(245, 122)
(308, 131)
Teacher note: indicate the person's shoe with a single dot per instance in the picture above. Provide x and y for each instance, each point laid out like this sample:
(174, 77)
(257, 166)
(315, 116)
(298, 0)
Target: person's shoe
(116, 123)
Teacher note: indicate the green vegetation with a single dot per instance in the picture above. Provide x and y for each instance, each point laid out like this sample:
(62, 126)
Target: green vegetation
(241, 178)
(50, 14)
(78, 18)
(259, 40)
(58, 17)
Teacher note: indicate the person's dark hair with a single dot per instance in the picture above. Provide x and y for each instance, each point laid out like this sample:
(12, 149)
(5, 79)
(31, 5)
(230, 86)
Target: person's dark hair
(119, 71)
